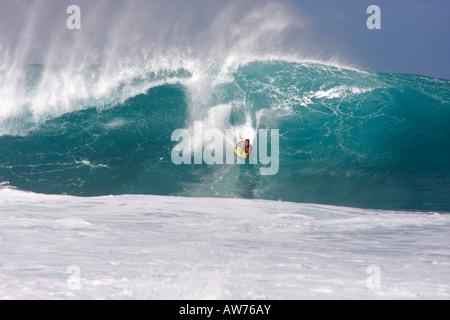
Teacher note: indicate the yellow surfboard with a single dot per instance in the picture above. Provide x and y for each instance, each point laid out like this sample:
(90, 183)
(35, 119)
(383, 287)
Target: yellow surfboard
(240, 151)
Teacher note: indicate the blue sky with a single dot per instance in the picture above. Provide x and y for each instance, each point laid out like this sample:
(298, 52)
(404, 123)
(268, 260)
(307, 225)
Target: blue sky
(414, 35)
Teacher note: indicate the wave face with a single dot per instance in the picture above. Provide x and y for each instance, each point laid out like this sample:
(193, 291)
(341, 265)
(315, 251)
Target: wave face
(347, 137)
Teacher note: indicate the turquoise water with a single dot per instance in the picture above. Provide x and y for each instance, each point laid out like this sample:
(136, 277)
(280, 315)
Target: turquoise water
(347, 137)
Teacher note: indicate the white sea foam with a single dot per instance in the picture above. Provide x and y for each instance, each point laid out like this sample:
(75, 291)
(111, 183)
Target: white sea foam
(151, 247)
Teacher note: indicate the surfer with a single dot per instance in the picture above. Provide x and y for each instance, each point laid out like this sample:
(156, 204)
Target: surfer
(247, 147)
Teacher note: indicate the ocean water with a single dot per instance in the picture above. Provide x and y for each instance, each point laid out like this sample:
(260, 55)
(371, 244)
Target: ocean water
(92, 206)
(347, 137)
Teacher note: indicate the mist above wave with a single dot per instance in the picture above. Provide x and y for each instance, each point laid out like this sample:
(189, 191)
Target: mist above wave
(123, 47)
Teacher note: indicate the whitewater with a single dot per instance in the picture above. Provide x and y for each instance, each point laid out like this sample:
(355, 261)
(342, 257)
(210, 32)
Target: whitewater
(156, 247)
(93, 207)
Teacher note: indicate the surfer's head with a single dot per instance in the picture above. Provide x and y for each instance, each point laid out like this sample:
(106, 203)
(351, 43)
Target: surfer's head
(247, 142)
